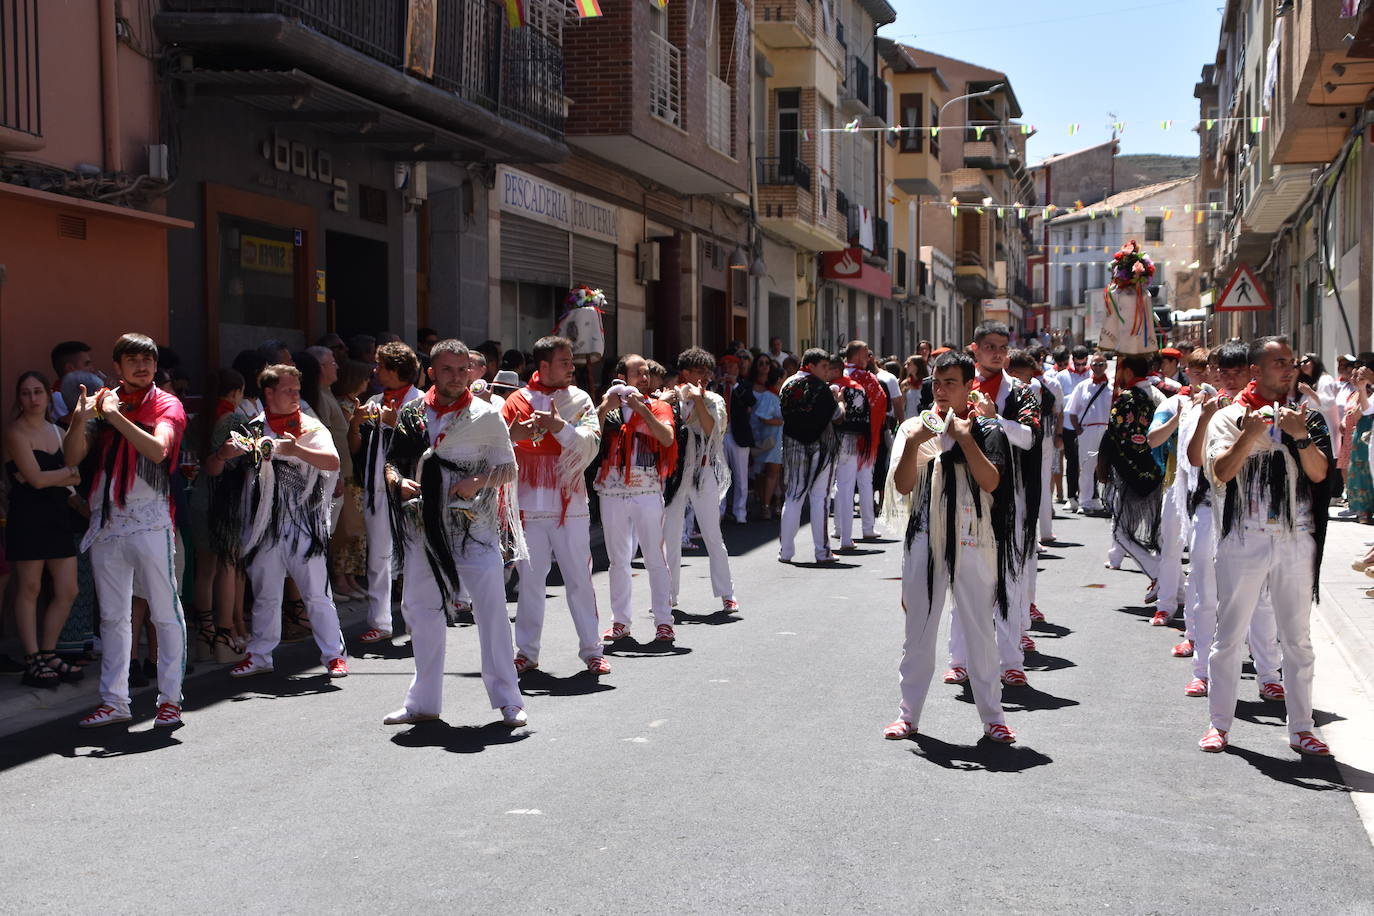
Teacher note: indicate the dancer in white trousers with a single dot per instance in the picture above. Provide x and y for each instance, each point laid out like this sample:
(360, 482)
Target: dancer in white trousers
(1088, 410)
(553, 425)
(450, 472)
(1268, 464)
(1166, 432)
(961, 460)
(809, 445)
(638, 453)
(704, 475)
(1127, 466)
(397, 370)
(738, 397)
(286, 504)
(864, 399)
(137, 430)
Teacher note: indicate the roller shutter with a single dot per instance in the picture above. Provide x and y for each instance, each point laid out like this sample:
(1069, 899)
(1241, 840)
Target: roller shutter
(593, 264)
(532, 252)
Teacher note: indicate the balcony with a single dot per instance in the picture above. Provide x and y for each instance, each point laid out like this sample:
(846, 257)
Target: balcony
(718, 110)
(881, 237)
(785, 23)
(665, 80)
(500, 89)
(774, 172)
(21, 110)
(983, 154)
(790, 207)
(919, 172)
(899, 262)
(971, 185)
(971, 275)
(856, 94)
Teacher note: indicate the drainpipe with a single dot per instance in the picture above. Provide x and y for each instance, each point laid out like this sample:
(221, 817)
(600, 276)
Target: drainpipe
(109, 86)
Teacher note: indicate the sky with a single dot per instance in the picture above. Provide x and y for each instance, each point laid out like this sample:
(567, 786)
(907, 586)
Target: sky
(1071, 61)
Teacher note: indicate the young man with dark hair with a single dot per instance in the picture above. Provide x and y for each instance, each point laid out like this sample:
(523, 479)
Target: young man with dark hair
(369, 438)
(809, 445)
(137, 429)
(704, 474)
(865, 412)
(451, 476)
(1015, 407)
(1070, 377)
(1087, 411)
(67, 357)
(286, 507)
(554, 429)
(1126, 466)
(1268, 463)
(638, 452)
(965, 468)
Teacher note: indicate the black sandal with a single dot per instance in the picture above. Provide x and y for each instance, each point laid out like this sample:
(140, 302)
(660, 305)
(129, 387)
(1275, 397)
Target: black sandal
(68, 673)
(297, 622)
(38, 674)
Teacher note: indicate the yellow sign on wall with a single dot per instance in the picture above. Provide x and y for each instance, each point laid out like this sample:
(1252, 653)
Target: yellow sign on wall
(266, 255)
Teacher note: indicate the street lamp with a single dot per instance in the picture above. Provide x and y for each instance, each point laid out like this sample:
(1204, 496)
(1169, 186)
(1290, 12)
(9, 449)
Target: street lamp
(971, 95)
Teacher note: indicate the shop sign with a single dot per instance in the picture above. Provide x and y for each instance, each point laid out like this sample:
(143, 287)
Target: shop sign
(847, 266)
(265, 255)
(534, 198)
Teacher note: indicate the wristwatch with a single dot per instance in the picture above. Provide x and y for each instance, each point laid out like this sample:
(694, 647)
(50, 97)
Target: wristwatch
(1304, 443)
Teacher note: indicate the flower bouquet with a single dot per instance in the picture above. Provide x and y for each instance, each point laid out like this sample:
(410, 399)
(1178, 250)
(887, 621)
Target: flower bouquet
(1127, 317)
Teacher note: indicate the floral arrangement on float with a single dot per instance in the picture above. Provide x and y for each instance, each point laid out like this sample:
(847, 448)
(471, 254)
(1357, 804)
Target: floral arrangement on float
(1128, 324)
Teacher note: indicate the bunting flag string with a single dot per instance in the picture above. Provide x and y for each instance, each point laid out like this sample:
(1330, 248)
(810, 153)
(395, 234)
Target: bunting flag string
(1257, 124)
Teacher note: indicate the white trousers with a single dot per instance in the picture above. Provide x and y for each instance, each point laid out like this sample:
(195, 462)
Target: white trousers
(1244, 566)
(379, 568)
(705, 502)
(569, 544)
(792, 510)
(1172, 536)
(1149, 562)
(627, 522)
(1007, 631)
(268, 573)
(1049, 460)
(1089, 444)
(972, 588)
(114, 563)
(422, 605)
(849, 477)
(738, 458)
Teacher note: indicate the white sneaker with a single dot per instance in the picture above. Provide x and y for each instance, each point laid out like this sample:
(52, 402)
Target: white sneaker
(248, 667)
(1073, 505)
(404, 716)
(513, 716)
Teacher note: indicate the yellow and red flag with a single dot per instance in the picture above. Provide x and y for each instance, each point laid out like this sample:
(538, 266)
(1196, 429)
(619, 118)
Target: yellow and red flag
(588, 9)
(515, 13)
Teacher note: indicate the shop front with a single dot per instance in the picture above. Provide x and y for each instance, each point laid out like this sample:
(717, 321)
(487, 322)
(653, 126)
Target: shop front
(856, 302)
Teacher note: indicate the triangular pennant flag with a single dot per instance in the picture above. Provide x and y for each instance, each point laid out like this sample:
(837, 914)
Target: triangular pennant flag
(1116, 211)
(1136, 209)
(1027, 128)
(1211, 122)
(1056, 249)
(1199, 217)
(851, 128)
(1165, 125)
(515, 13)
(1214, 205)
(1073, 249)
(1119, 127)
(1168, 214)
(999, 212)
(1092, 214)
(935, 131)
(1074, 128)
(1257, 125)
(978, 132)
(1187, 208)
(1078, 205)
(588, 9)
(661, 4)
(1020, 212)
(806, 135)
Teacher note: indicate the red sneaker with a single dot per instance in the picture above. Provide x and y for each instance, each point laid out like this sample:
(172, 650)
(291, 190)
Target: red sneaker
(899, 730)
(1214, 742)
(1160, 619)
(1309, 745)
(338, 667)
(374, 635)
(104, 715)
(1273, 692)
(729, 606)
(617, 631)
(523, 664)
(999, 733)
(168, 716)
(1035, 614)
(1027, 644)
(248, 668)
(1014, 677)
(664, 633)
(956, 675)
(1197, 687)
(598, 665)
(1183, 649)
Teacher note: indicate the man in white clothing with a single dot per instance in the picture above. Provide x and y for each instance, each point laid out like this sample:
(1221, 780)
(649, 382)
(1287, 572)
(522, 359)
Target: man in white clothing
(1069, 378)
(809, 413)
(1088, 410)
(861, 429)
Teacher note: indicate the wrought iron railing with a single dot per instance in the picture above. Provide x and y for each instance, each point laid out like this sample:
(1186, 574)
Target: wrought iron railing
(20, 103)
(515, 73)
(880, 236)
(786, 172)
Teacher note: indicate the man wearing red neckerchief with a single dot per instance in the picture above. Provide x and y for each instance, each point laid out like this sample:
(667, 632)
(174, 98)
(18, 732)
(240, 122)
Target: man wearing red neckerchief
(369, 437)
(137, 435)
(554, 429)
(451, 476)
(1088, 409)
(1016, 408)
(865, 412)
(638, 452)
(1268, 464)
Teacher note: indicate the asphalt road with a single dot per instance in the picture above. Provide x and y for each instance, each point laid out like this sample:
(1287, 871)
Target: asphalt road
(742, 771)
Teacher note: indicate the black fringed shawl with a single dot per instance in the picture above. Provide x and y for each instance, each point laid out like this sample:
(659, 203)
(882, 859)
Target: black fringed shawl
(298, 508)
(1266, 477)
(1137, 496)
(225, 494)
(1022, 407)
(992, 441)
(808, 407)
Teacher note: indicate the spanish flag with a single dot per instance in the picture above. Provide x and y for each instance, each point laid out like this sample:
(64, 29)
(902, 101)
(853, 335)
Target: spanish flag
(515, 13)
(588, 9)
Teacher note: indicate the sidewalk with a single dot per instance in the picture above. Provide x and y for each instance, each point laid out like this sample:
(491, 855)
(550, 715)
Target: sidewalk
(1344, 609)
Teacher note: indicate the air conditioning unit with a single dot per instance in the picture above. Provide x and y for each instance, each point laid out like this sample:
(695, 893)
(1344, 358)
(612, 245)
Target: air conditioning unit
(646, 263)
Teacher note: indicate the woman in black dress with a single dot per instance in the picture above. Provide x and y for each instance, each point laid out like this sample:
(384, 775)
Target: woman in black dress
(38, 532)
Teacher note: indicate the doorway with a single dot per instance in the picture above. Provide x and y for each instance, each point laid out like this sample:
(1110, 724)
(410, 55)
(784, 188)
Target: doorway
(356, 282)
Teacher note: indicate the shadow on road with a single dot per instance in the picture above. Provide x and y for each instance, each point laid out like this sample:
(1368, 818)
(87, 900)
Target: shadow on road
(1315, 773)
(1039, 661)
(1028, 699)
(1050, 630)
(118, 741)
(458, 739)
(629, 647)
(986, 756)
(713, 619)
(539, 683)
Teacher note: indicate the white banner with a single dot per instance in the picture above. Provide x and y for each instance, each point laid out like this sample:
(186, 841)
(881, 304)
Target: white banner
(546, 202)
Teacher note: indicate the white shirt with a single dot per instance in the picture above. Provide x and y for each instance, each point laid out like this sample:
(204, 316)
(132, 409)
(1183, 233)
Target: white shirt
(1100, 411)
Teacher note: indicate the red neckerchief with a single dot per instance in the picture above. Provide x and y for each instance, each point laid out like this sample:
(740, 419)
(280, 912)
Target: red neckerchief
(432, 402)
(225, 406)
(537, 384)
(391, 397)
(281, 423)
(147, 408)
(1186, 391)
(990, 387)
(876, 392)
(1250, 397)
(130, 397)
(621, 451)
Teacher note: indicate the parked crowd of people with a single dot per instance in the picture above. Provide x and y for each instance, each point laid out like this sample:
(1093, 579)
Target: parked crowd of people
(453, 478)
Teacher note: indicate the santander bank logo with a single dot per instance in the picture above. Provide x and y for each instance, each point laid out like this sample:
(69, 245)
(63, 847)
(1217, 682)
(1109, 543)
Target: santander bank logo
(846, 266)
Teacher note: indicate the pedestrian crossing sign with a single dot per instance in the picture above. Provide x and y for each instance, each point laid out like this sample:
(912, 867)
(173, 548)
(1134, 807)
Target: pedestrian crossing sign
(1243, 294)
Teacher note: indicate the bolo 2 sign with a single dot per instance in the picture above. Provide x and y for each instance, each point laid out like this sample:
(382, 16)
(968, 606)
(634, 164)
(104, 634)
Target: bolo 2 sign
(307, 162)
